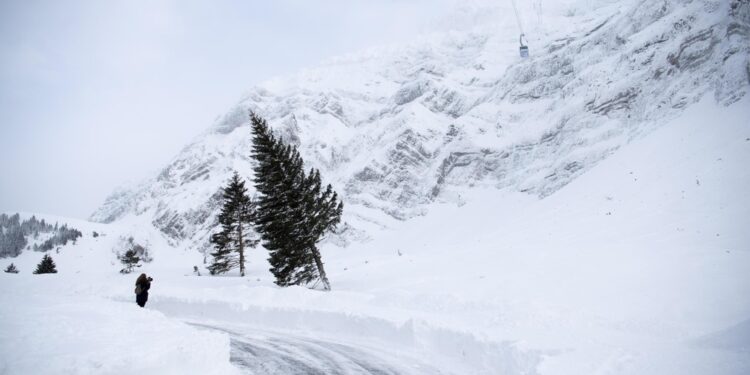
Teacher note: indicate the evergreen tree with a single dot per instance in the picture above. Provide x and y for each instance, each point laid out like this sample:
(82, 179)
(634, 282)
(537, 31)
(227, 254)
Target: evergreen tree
(293, 213)
(11, 269)
(47, 265)
(321, 213)
(236, 219)
(61, 237)
(130, 260)
(14, 234)
(12, 239)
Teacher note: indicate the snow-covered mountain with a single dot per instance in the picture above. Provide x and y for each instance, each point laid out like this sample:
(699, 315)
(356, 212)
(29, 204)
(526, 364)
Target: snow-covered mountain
(396, 129)
(639, 266)
(631, 121)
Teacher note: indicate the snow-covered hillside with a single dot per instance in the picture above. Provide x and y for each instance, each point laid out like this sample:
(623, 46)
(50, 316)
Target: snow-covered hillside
(638, 266)
(397, 129)
(67, 323)
(583, 211)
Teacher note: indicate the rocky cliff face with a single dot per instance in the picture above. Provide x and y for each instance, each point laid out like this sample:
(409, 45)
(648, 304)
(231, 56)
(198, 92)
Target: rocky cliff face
(395, 129)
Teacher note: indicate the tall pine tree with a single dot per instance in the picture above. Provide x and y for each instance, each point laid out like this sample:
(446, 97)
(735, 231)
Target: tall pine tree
(293, 212)
(236, 219)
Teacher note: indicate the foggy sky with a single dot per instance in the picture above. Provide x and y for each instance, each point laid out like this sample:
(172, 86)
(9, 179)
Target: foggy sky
(97, 94)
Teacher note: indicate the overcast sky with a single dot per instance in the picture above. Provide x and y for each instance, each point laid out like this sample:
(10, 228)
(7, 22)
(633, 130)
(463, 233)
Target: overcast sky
(96, 94)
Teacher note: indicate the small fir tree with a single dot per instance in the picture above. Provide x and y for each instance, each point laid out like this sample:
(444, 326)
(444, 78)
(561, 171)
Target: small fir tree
(130, 260)
(236, 219)
(47, 265)
(11, 269)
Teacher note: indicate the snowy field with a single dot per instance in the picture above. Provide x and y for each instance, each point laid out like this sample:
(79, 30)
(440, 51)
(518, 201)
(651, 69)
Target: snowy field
(640, 266)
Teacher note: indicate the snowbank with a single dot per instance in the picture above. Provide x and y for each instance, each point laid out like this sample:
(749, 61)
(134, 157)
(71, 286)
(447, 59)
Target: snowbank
(50, 327)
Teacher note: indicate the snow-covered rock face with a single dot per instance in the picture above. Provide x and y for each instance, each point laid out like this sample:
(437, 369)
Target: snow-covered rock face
(395, 129)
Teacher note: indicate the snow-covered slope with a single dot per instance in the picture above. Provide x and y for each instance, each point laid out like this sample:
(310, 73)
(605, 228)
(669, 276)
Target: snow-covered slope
(639, 266)
(398, 129)
(67, 323)
(631, 122)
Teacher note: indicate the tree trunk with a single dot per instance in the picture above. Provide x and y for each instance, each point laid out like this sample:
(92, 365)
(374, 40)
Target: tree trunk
(241, 250)
(321, 271)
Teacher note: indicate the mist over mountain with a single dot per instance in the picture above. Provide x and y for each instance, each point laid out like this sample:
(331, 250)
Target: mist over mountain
(398, 128)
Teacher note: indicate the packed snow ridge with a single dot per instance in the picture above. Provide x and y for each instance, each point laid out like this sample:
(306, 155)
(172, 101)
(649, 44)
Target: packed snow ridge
(396, 129)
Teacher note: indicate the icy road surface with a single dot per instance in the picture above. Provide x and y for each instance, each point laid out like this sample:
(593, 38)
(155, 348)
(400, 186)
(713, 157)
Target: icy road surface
(265, 352)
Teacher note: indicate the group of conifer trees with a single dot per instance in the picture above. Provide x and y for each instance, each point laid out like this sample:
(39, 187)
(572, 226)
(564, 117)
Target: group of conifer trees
(15, 234)
(46, 265)
(291, 213)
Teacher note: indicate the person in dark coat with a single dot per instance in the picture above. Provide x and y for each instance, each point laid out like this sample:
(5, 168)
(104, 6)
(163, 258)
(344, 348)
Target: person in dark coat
(145, 284)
